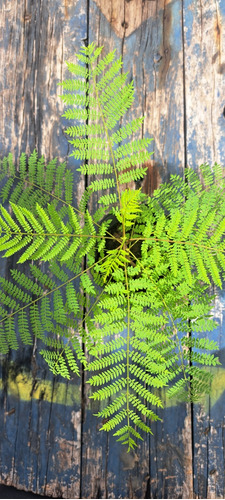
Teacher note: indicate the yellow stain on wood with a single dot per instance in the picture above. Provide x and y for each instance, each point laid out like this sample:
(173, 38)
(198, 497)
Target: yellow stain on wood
(22, 387)
(67, 393)
(218, 385)
(217, 390)
(127, 15)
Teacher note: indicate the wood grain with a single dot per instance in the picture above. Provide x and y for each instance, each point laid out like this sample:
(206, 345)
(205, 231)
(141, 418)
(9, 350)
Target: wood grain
(204, 42)
(127, 16)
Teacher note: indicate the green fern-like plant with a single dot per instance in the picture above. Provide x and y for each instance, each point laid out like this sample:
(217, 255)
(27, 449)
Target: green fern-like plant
(129, 282)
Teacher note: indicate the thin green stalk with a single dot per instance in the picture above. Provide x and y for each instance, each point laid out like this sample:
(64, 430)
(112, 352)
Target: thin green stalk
(108, 139)
(128, 350)
(167, 240)
(72, 235)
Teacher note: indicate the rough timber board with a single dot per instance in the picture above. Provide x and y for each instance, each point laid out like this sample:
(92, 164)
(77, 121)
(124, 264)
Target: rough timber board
(42, 453)
(39, 414)
(37, 39)
(209, 423)
(204, 42)
(152, 54)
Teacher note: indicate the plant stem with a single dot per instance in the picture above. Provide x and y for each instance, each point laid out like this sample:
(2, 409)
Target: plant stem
(108, 138)
(128, 349)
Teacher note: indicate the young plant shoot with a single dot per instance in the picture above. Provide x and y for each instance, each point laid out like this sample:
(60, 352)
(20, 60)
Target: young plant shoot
(124, 292)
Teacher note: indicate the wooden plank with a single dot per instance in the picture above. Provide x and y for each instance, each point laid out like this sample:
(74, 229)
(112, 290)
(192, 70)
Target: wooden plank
(208, 423)
(171, 453)
(148, 35)
(204, 42)
(204, 81)
(40, 437)
(40, 415)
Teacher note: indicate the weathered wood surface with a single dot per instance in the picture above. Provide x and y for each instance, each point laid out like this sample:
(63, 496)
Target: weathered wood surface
(174, 51)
